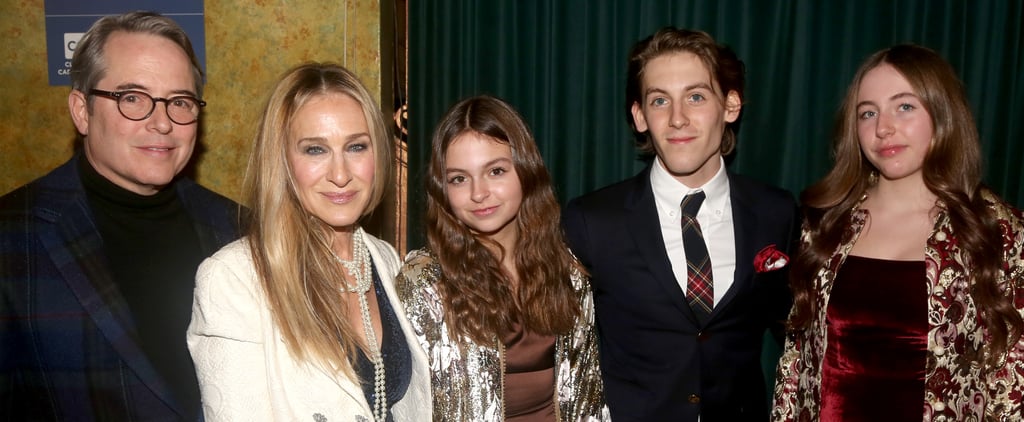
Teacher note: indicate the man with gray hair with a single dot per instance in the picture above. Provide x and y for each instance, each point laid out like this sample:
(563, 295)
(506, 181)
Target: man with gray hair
(98, 257)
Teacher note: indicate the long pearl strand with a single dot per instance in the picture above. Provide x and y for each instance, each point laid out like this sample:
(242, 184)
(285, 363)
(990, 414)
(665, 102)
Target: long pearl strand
(358, 268)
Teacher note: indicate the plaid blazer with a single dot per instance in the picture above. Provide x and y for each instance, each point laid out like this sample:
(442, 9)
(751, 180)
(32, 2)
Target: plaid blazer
(69, 345)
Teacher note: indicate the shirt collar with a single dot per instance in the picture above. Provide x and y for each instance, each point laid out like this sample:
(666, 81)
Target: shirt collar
(669, 192)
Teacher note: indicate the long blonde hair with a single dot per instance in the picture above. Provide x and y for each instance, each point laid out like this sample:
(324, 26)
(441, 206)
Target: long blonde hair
(291, 247)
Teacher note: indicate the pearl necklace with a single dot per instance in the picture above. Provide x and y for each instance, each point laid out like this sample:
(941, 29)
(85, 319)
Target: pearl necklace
(358, 267)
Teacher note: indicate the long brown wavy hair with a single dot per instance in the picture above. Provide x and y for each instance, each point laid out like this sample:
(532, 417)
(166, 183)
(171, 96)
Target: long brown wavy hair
(290, 247)
(478, 298)
(952, 172)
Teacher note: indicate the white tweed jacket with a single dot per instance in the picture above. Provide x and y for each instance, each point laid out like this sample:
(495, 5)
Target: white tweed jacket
(245, 370)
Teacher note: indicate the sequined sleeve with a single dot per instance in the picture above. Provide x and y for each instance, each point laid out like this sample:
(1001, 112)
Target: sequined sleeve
(465, 377)
(580, 388)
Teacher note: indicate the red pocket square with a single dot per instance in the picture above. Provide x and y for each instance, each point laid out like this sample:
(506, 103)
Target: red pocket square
(770, 259)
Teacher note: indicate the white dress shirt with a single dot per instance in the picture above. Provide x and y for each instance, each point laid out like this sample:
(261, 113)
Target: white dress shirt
(714, 217)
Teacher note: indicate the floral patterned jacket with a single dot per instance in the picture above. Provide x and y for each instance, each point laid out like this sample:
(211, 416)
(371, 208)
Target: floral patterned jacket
(467, 378)
(955, 389)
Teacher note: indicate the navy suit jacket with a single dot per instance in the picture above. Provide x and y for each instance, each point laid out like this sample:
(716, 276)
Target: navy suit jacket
(658, 363)
(69, 345)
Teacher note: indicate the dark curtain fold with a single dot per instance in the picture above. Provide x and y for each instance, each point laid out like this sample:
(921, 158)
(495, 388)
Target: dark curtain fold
(561, 63)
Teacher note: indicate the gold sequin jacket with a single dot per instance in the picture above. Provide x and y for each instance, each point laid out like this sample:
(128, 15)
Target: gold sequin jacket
(956, 389)
(467, 378)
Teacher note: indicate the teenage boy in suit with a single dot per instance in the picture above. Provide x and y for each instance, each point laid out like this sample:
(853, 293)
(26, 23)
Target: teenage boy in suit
(681, 307)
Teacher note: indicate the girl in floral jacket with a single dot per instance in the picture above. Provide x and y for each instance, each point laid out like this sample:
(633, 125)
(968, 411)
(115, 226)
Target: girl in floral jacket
(908, 289)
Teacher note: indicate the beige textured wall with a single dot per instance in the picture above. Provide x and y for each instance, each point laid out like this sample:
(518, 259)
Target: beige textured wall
(249, 44)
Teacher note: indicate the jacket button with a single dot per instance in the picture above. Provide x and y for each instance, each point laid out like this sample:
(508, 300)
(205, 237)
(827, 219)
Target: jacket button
(703, 336)
(694, 398)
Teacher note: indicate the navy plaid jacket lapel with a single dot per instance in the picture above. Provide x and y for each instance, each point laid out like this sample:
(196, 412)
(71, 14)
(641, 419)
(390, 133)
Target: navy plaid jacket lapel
(68, 234)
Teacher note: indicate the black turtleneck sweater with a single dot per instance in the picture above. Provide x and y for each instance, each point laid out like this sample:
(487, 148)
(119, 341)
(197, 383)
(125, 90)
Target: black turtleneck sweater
(153, 253)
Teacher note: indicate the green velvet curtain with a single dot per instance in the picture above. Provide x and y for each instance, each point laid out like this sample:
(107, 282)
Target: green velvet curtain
(562, 64)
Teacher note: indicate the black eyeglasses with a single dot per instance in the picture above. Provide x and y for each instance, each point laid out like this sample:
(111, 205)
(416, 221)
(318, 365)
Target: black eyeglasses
(138, 105)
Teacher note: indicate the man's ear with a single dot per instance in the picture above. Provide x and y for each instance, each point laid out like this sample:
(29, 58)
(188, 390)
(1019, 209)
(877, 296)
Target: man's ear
(733, 105)
(78, 105)
(639, 120)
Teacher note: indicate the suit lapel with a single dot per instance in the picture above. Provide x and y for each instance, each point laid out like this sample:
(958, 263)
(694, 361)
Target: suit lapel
(75, 247)
(213, 228)
(744, 228)
(645, 229)
(328, 378)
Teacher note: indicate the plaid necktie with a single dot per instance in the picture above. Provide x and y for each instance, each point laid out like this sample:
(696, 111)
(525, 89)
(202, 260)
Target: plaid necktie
(699, 287)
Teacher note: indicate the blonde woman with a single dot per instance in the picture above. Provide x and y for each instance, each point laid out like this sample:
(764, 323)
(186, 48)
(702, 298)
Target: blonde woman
(299, 321)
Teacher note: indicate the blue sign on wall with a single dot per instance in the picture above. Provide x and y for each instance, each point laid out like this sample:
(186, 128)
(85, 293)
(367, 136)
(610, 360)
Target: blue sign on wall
(67, 21)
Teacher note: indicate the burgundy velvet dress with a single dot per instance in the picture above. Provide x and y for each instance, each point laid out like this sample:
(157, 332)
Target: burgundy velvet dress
(877, 320)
